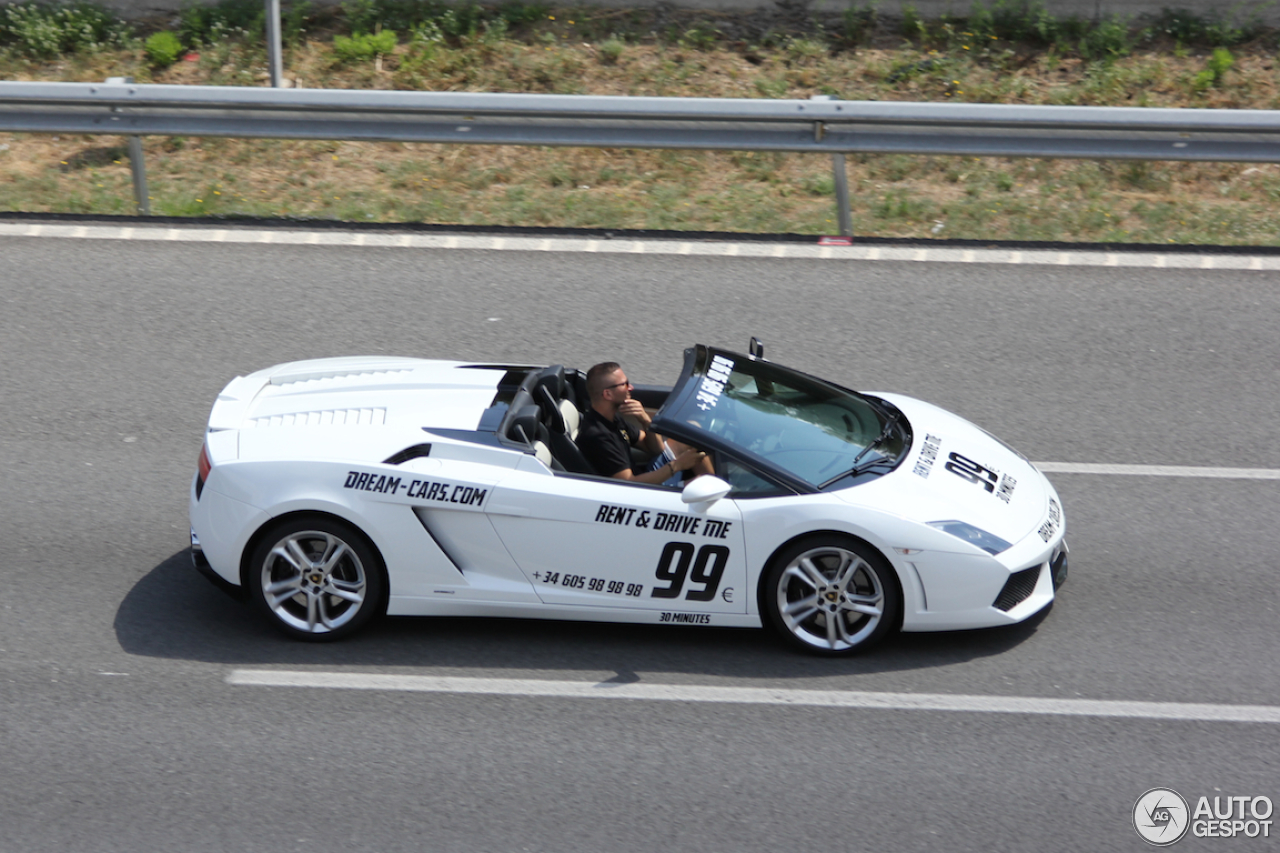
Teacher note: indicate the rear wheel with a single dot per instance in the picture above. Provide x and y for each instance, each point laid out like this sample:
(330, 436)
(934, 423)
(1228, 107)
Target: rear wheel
(831, 595)
(316, 578)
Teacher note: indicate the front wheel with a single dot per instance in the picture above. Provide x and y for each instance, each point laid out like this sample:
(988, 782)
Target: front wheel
(316, 578)
(830, 595)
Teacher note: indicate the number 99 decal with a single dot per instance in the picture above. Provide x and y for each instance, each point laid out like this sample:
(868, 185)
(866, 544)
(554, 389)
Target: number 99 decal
(969, 470)
(707, 570)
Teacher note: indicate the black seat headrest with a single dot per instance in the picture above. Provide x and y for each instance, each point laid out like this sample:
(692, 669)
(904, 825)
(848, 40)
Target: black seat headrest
(525, 423)
(550, 410)
(551, 378)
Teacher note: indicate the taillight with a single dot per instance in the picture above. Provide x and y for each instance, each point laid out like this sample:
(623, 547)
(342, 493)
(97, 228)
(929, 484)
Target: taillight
(204, 466)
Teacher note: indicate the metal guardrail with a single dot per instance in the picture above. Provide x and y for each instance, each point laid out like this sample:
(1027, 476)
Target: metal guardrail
(820, 125)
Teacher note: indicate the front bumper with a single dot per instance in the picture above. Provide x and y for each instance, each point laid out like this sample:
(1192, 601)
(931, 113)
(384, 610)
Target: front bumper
(1022, 584)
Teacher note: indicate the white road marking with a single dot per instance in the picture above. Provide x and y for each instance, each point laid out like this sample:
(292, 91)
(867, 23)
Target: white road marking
(759, 696)
(194, 234)
(1158, 471)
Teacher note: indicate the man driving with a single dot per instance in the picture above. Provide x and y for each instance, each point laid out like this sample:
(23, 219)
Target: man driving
(607, 433)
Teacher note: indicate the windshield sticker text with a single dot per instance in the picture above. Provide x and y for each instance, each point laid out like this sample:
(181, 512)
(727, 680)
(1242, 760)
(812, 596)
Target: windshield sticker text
(664, 522)
(712, 385)
(928, 454)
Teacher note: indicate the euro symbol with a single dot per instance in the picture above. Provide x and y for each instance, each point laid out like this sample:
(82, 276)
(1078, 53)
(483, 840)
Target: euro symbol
(727, 595)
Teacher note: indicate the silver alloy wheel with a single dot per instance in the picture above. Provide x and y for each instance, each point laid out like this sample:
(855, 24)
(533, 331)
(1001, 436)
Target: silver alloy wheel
(830, 598)
(314, 582)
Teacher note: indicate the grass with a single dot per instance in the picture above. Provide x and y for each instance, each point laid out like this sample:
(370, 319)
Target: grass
(998, 54)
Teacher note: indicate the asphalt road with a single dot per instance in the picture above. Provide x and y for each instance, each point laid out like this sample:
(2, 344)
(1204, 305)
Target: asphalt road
(119, 731)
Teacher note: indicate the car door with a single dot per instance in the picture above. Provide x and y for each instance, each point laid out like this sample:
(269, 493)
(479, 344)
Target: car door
(607, 543)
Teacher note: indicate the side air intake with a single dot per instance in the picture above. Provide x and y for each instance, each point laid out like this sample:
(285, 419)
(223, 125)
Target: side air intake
(1017, 589)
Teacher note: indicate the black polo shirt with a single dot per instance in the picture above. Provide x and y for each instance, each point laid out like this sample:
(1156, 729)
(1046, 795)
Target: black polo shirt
(606, 443)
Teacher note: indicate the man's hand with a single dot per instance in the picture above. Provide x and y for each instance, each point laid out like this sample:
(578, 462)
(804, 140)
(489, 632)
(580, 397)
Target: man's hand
(633, 408)
(687, 459)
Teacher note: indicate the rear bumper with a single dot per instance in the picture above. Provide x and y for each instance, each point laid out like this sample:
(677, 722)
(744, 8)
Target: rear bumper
(220, 530)
(201, 564)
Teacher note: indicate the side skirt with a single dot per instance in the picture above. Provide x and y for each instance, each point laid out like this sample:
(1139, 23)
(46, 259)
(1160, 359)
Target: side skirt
(403, 605)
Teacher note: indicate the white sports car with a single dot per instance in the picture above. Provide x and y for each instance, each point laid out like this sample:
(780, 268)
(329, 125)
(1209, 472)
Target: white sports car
(333, 491)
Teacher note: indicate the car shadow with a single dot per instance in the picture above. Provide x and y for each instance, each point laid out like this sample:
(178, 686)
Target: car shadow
(173, 612)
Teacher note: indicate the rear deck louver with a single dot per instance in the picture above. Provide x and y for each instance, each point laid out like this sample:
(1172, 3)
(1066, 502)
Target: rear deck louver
(330, 417)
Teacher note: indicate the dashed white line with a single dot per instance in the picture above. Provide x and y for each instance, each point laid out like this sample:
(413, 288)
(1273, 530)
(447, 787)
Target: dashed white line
(1158, 471)
(759, 696)
(942, 254)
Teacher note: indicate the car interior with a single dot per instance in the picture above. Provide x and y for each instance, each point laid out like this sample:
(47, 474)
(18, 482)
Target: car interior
(546, 411)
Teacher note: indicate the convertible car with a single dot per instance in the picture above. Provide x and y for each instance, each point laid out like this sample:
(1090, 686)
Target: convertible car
(334, 491)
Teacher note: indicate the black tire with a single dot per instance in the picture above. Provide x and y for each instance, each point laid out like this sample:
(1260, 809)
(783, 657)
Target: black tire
(337, 579)
(807, 601)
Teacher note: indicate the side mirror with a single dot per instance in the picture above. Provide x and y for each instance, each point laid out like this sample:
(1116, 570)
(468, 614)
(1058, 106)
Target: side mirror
(756, 348)
(705, 489)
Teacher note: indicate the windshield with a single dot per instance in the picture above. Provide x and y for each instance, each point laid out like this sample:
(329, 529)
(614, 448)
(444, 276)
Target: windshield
(810, 429)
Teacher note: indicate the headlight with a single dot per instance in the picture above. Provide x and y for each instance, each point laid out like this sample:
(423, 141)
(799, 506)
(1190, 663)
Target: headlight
(973, 535)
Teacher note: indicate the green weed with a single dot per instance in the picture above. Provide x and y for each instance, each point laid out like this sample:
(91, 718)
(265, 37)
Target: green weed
(363, 46)
(46, 30)
(1214, 30)
(699, 37)
(163, 48)
(200, 25)
(611, 50)
(857, 23)
(1219, 64)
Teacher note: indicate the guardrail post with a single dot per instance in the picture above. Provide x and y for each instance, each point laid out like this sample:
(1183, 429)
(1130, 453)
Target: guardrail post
(137, 165)
(839, 177)
(843, 215)
(273, 44)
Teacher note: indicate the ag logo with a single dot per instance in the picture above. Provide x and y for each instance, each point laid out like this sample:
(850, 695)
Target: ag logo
(1161, 816)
